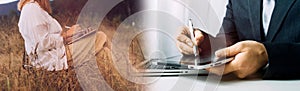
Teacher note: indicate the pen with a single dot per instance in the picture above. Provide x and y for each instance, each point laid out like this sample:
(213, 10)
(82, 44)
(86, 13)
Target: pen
(195, 48)
(67, 27)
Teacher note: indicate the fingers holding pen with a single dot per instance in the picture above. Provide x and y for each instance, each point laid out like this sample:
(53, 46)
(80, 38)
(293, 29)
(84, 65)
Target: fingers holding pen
(199, 37)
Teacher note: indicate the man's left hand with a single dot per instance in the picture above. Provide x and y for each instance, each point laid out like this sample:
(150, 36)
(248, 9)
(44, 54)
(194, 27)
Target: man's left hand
(249, 57)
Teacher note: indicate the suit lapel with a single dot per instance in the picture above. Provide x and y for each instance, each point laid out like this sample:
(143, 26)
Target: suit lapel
(280, 11)
(255, 17)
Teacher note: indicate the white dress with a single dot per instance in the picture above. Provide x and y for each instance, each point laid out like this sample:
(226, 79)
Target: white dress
(43, 42)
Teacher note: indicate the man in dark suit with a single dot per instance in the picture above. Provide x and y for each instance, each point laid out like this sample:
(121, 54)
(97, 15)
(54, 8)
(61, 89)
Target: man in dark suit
(260, 34)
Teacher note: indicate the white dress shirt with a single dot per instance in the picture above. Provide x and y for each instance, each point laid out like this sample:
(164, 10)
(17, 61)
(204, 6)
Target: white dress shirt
(43, 42)
(268, 7)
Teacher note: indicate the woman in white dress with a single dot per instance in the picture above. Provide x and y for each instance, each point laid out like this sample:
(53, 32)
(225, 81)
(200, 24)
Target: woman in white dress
(42, 34)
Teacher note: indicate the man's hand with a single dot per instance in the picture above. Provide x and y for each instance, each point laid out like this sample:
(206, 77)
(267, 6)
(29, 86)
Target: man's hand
(249, 57)
(184, 42)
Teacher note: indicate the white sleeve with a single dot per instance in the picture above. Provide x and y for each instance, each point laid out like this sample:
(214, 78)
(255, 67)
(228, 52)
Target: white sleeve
(37, 26)
(33, 15)
(32, 25)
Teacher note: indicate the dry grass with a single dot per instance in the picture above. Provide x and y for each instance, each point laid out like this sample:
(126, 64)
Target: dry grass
(14, 77)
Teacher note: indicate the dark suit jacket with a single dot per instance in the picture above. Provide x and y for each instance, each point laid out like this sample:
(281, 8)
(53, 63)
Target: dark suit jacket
(243, 22)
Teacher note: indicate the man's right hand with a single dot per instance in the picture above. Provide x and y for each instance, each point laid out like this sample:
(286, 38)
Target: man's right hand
(185, 43)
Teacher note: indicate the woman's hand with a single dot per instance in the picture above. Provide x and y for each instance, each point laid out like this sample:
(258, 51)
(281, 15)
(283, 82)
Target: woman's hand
(71, 31)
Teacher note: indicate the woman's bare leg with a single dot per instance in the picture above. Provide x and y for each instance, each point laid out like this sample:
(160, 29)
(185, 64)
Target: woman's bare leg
(101, 39)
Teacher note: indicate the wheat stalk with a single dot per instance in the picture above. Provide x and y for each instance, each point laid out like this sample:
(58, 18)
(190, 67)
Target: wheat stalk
(7, 81)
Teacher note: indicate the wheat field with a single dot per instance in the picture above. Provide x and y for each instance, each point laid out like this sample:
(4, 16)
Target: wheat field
(14, 77)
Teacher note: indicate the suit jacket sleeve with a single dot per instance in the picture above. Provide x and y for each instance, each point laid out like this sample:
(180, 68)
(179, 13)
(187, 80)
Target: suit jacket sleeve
(284, 58)
(228, 30)
(226, 36)
(283, 61)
